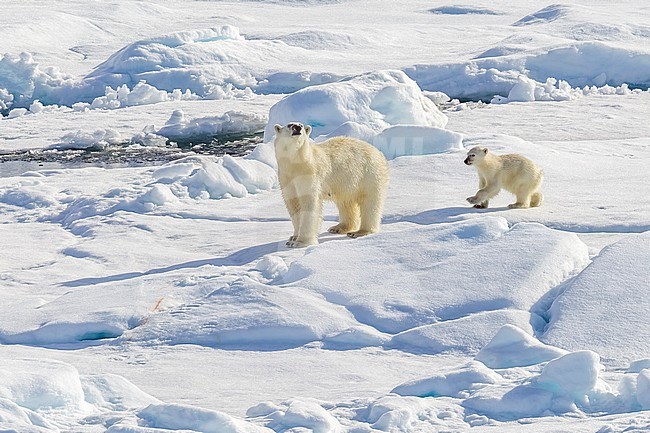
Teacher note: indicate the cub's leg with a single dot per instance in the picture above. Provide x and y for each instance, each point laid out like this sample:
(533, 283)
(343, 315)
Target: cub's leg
(484, 194)
(536, 199)
(523, 194)
(522, 202)
(481, 184)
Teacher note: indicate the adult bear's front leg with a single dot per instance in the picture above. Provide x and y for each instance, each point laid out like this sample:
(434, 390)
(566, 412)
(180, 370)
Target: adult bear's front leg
(292, 204)
(310, 217)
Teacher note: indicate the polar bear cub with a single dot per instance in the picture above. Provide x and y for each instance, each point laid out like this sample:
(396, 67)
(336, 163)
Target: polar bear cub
(513, 172)
(350, 172)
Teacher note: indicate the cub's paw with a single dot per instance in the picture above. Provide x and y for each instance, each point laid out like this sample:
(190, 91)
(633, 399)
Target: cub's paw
(480, 206)
(517, 206)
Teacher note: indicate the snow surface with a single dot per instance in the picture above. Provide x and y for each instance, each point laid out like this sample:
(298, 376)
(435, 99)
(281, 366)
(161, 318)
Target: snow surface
(597, 286)
(161, 297)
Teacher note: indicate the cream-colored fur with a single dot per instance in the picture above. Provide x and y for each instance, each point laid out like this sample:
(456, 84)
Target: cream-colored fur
(513, 172)
(350, 172)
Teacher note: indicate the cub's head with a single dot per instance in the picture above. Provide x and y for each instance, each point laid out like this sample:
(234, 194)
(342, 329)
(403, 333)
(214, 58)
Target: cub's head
(476, 155)
(292, 136)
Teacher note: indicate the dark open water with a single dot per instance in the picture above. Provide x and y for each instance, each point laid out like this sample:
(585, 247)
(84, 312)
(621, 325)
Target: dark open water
(18, 163)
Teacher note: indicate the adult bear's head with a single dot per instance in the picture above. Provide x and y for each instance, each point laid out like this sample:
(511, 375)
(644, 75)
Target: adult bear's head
(291, 137)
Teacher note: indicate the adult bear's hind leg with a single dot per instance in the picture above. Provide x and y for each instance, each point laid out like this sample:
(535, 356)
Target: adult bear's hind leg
(348, 217)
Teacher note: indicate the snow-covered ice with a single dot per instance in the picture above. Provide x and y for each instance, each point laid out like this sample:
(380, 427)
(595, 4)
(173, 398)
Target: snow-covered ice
(156, 297)
(455, 383)
(512, 347)
(622, 291)
(371, 101)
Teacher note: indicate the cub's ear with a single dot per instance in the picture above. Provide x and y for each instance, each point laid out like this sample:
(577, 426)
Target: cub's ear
(277, 128)
(485, 150)
(308, 130)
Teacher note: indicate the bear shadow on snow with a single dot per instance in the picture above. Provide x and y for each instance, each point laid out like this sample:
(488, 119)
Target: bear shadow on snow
(236, 258)
(441, 215)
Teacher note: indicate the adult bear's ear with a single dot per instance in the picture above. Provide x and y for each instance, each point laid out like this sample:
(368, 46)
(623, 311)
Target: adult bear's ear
(308, 130)
(485, 150)
(277, 128)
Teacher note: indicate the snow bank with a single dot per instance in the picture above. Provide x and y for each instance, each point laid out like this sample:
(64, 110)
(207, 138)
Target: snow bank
(29, 194)
(591, 63)
(424, 275)
(506, 403)
(385, 108)
(375, 100)
(466, 334)
(255, 175)
(638, 365)
(643, 389)
(114, 392)
(568, 382)
(544, 15)
(178, 127)
(389, 413)
(157, 195)
(184, 417)
(321, 40)
(298, 414)
(203, 177)
(252, 315)
(394, 413)
(615, 279)
(17, 112)
(527, 90)
(88, 310)
(89, 326)
(22, 81)
(196, 60)
(508, 69)
(272, 267)
(41, 384)
(512, 347)
(97, 140)
(39, 396)
(219, 63)
(405, 140)
(141, 94)
(573, 374)
(289, 82)
(208, 179)
(458, 382)
(216, 63)
(6, 99)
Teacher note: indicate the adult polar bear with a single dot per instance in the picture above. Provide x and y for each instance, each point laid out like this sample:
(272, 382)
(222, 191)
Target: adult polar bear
(350, 172)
